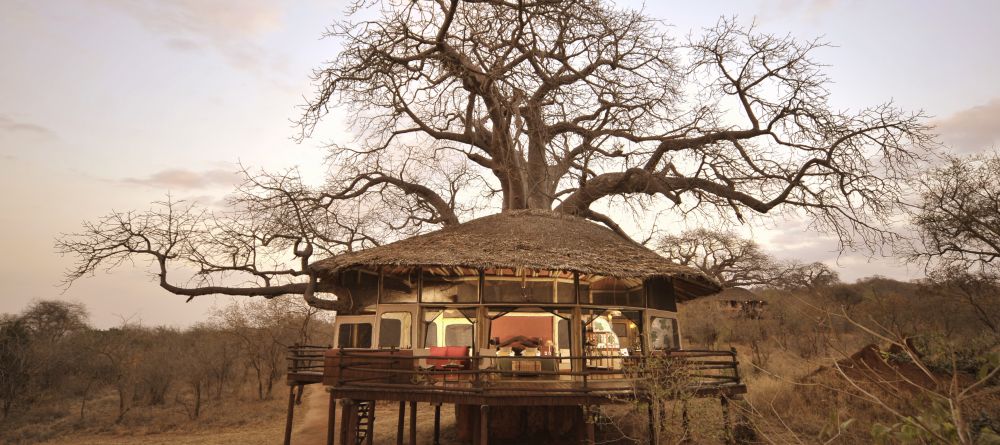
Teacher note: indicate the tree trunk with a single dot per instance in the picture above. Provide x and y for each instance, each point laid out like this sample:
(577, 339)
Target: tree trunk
(197, 399)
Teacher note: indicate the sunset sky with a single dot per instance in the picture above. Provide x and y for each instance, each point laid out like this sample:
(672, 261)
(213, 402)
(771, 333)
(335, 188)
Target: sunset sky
(108, 104)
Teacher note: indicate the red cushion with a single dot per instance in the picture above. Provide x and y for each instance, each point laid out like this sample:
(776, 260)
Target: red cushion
(457, 351)
(438, 351)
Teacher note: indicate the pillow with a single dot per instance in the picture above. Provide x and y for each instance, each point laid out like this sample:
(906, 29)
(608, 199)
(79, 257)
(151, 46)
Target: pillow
(438, 351)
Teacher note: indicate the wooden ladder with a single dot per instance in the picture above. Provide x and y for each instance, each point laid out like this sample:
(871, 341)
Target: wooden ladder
(365, 425)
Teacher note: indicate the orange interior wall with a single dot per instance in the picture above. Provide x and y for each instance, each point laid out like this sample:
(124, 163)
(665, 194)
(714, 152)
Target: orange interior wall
(512, 325)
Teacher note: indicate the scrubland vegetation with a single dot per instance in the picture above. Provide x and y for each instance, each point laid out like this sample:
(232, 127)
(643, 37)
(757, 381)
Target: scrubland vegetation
(60, 377)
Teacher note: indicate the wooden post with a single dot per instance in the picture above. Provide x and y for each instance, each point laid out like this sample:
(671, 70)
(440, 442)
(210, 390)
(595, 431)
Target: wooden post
(576, 340)
(331, 421)
(437, 424)
(685, 422)
(345, 420)
(726, 427)
(590, 437)
(413, 423)
(484, 425)
(654, 428)
(371, 422)
(399, 425)
(288, 419)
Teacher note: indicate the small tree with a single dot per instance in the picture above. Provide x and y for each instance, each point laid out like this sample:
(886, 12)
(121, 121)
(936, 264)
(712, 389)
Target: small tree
(15, 361)
(731, 260)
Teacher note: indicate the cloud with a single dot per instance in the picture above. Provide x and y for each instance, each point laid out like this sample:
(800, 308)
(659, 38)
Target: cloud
(10, 125)
(231, 28)
(810, 10)
(187, 179)
(974, 129)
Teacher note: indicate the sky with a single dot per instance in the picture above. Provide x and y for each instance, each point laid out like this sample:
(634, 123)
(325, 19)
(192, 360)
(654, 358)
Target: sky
(112, 104)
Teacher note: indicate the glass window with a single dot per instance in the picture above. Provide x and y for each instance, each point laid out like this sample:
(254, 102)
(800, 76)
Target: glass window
(450, 289)
(362, 286)
(431, 336)
(663, 333)
(563, 334)
(449, 325)
(400, 286)
(528, 290)
(458, 335)
(394, 330)
(661, 294)
(354, 335)
(610, 291)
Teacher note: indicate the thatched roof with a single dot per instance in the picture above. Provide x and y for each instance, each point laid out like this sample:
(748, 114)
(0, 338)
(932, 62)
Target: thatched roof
(529, 239)
(736, 294)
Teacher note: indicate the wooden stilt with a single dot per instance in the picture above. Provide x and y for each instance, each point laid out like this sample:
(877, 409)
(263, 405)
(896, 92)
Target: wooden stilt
(685, 422)
(484, 425)
(437, 424)
(288, 419)
(371, 422)
(413, 423)
(399, 425)
(726, 427)
(345, 420)
(654, 424)
(331, 421)
(591, 437)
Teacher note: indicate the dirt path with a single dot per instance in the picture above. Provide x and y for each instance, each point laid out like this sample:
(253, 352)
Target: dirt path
(313, 412)
(313, 415)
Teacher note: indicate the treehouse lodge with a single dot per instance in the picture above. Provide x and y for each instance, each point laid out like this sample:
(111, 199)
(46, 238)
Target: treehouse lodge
(527, 321)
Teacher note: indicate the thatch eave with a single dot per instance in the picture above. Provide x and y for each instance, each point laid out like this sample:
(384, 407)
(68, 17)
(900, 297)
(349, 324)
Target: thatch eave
(524, 239)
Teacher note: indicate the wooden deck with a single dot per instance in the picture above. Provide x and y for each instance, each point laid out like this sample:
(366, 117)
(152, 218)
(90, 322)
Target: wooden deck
(400, 376)
(358, 378)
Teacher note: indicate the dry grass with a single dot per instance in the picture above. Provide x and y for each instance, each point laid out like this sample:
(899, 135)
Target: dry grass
(242, 421)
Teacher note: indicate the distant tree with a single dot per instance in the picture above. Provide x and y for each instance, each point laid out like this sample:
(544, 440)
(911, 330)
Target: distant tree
(51, 320)
(980, 291)
(958, 221)
(725, 256)
(808, 276)
(958, 214)
(15, 361)
(568, 106)
(266, 328)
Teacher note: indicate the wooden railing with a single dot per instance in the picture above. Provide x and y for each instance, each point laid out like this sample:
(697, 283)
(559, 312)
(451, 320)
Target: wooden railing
(306, 360)
(687, 370)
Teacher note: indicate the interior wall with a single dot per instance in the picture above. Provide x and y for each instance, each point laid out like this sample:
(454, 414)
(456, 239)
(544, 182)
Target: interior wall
(513, 325)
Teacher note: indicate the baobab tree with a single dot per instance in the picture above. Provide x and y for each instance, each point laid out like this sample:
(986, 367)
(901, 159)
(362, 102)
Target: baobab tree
(725, 256)
(569, 106)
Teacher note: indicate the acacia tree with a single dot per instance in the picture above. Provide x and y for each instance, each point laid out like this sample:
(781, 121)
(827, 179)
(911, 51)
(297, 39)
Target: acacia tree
(958, 222)
(730, 259)
(957, 215)
(569, 106)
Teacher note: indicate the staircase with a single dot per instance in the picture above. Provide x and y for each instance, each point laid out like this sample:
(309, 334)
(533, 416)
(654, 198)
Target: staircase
(365, 426)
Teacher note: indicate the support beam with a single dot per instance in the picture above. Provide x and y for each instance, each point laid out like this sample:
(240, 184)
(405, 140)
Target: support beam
(437, 424)
(331, 420)
(590, 437)
(413, 423)
(484, 425)
(347, 406)
(399, 425)
(654, 423)
(685, 422)
(727, 429)
(291, 411)
(371, 422)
